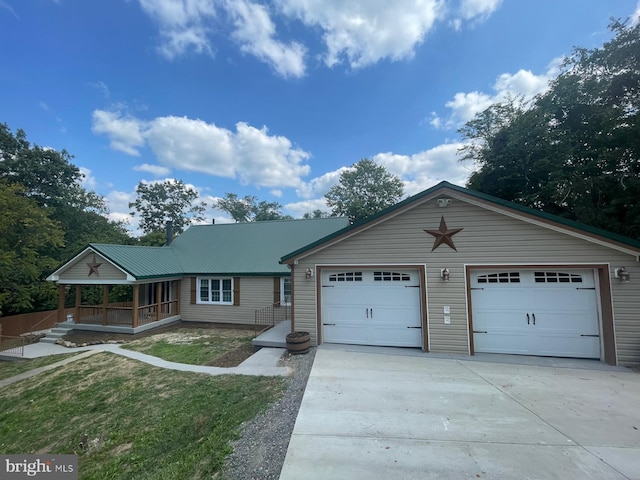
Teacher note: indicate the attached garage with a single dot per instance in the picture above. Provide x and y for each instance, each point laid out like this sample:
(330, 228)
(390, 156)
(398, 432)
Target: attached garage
(371, 306)
(545, 312)
(451, 270)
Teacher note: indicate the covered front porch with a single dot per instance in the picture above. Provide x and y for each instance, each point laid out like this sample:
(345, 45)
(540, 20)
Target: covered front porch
(119, 308)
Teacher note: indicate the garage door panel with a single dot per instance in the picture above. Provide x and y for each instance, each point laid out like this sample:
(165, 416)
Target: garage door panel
(567, 344)
(508, 341)
(536, 312)
(382, 307)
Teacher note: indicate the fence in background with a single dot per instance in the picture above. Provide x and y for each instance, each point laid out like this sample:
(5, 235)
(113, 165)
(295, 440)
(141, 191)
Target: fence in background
(17, 325)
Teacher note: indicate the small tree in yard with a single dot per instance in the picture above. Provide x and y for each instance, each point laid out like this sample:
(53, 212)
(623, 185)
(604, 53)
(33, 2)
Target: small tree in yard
(364, 189)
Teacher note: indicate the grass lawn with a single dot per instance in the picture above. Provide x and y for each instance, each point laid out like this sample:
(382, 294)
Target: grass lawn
(139, 421)
(193, 346)
(11, 368)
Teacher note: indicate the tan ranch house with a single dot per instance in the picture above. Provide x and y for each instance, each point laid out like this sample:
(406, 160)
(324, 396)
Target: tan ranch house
(448, 270)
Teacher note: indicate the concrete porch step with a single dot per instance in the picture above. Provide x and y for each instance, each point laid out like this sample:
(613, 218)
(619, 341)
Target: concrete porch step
(60, 330)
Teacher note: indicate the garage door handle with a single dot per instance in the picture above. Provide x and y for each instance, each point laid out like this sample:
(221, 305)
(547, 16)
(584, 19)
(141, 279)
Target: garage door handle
(371, 312)
(528, 319)
(332, 324)
(589, 335)
(534, 318)
(479, 331)
(416, 327)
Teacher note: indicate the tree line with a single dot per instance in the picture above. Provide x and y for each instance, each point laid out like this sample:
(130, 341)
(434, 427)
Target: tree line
(574, 150)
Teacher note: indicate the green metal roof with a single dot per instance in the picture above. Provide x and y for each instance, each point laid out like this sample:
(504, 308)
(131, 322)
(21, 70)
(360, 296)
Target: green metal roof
(224, 249)
(141, 262)
(247, 248)
(620, 239)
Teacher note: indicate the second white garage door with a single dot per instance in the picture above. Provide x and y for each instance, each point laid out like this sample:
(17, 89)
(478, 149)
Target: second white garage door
(535, 312)
(372, 307)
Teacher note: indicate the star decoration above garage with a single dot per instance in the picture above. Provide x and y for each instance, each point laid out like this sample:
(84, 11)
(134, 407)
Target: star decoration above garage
(443, 235)
(93, 267)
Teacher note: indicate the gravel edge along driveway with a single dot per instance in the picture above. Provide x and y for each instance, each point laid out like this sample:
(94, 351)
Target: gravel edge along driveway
(260, 451)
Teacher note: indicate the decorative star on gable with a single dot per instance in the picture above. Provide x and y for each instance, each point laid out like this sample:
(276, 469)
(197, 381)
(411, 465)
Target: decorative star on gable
(443, 235)
(93, 267)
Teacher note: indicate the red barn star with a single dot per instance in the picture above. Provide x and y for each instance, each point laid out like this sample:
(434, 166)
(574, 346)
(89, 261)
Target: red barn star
(443, 235)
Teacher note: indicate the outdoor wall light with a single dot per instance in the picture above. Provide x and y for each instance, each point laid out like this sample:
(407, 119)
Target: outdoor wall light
(444, 274)
(621, 274)
(308, 273)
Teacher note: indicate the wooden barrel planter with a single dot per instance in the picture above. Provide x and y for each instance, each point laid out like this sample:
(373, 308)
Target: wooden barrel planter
(298, 342)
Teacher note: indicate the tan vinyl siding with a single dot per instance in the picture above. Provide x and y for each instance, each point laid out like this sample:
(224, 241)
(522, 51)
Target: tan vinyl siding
(80, 270)
(487, 238)
(255, 292)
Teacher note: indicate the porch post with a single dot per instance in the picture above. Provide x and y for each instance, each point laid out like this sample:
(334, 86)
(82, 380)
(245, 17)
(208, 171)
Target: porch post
(136, 305)
(158, 300)
(76, 316)
(178, 284)
(105, 302)
(61, 318)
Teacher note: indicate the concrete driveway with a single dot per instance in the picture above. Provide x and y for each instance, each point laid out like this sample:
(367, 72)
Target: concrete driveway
(385, 416)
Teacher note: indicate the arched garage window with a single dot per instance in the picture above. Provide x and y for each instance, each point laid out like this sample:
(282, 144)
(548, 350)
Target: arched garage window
(501, 277)
(346, 277)
(557, 277)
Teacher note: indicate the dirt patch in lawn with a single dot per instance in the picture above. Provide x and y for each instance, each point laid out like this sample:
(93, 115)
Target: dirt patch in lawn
(235, 357)
(208, 336)
(85, 336)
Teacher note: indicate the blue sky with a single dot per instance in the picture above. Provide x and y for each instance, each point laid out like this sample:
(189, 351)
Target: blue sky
(275, 99)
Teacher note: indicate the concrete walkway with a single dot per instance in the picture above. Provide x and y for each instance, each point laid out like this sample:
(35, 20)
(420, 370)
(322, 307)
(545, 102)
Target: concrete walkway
(376, 415)
(262, 363)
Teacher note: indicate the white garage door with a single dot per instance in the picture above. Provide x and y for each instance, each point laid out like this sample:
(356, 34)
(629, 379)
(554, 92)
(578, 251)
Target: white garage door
(371, 307)
(535, 312)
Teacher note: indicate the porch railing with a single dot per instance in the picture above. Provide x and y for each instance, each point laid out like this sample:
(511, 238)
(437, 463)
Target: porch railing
(12, 345)
(115, 314)
(270, 316)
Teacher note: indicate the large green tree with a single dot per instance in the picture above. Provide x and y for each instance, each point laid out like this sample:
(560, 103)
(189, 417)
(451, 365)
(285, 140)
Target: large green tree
(52, 188)
(248, 209)
(364, 189)
(26, 234)
(171, 200)
(575, 150)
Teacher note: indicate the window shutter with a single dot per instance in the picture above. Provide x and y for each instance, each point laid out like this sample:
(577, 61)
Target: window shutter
(236, 291)
(194, 281)
(276, 290)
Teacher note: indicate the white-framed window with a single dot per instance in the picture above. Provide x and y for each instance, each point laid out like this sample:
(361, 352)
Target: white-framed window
(285, 291)
(215, 290)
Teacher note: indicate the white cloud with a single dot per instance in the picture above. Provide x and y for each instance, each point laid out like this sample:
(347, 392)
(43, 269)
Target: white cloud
(102, 88)
(635, 16)
(124, 132)
(156, 170)
(366, 31)
(255, 32)
(427, 168)
(249, 154)
(298, 209)
(183, 24)
(118, 204)
(355, 32)
(477, 9)
(88, 181)
(4, 5)
(523, 83)
(320, 185)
